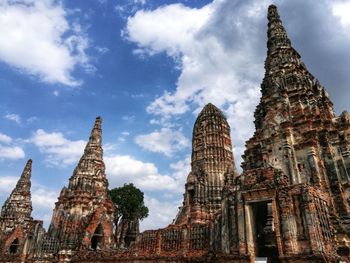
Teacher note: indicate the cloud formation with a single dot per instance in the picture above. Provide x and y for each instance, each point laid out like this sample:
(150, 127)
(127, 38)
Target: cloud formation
(122, 169)
(161, 213)
(8, 149)
(38, 38)
(165, 141)
(220, 51)
(7, 183)
(59, 150)
(5, 138)
(13, 117)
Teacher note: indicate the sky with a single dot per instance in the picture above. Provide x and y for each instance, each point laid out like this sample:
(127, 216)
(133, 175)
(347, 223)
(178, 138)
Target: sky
(147, 67)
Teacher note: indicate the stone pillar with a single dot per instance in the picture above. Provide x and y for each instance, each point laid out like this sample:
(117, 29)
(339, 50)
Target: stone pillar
(312, 223)
(313, 164)
(288, 223)
(291, 163)
(242, 240)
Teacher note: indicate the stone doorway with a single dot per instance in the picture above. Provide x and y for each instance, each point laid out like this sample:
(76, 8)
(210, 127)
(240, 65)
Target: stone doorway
(14, 246)
(262, 231)
(97, 237)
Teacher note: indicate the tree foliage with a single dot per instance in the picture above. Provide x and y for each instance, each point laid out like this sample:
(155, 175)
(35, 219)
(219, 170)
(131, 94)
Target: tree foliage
(129, 202)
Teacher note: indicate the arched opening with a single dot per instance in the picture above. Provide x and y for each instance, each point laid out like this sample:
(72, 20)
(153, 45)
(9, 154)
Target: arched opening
(191, 196)
(97, 237)
(263, 231)
(14, 246)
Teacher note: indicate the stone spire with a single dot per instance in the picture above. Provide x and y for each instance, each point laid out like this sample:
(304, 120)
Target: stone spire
(282, 59)
(276, 34)
(212, 162)
(211, 143)
(17, 208)
(84, 207)
(93, 148)
(91, 168)
(297, 131)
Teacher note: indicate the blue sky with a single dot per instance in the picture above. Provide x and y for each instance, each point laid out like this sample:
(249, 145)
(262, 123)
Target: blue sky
(147, 67)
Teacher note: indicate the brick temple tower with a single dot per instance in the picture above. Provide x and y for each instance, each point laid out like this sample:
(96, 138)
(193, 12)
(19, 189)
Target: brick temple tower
(17, 209)
(292, 198)
(84, 213)
(18, 230)
(212, 159)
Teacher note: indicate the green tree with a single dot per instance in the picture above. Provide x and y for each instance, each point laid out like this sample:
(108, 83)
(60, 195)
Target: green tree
(129, 202)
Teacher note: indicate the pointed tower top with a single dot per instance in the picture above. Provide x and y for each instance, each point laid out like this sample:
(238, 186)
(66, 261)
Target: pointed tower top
(91, 163)
(276, 33)
(209, 110)
(19, 203)
(23, 184)
(94, 145)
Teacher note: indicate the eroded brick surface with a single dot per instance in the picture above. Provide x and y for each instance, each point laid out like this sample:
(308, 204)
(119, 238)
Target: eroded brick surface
(290, 203)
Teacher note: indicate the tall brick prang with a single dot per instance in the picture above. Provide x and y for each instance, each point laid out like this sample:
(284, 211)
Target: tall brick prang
(212, 159)
(84, 213)
(18, 231)
(291, 203)
(17, 209)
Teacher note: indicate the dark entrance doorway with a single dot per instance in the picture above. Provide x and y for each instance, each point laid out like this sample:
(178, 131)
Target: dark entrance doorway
(97, 237)
(14, 246)
(264, 232)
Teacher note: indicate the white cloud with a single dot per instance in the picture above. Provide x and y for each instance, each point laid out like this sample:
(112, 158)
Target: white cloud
(32, 119)
(11, 152)
(342, 10)
(7, 183)
(125, 133)
(13, 117)
(211, 69)
(44, 199)
(102, 50)
(128, 118)
(161, 213)
(142, 2)
(123, 136)
(180, 170)
(58, 149)
(5, 138)
(37, 38)
(220, 48)
(8, 148)
(122, 169)
(164, 141)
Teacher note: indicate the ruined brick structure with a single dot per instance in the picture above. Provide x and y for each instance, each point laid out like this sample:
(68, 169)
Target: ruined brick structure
(294, 190)
(83, 215)
(19, 233)
(290, 203)
(212, 157)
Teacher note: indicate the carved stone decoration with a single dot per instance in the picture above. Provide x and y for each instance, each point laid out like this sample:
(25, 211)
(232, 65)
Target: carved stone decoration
(297, 151)
(84, 213)
(211, 158)
(290, 203)
(19, 233)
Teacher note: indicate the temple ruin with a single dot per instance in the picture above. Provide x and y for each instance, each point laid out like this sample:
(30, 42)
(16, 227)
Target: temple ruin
(291, 203)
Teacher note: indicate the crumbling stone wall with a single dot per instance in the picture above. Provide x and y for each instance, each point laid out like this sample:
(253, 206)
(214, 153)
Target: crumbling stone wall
(290, 204)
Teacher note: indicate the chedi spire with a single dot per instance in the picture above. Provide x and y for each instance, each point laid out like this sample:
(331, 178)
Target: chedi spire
(91, 165)
(20, 196)
(17, 208)
(83, 215)
(94, 145)
(276, 34)
(212, 162)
